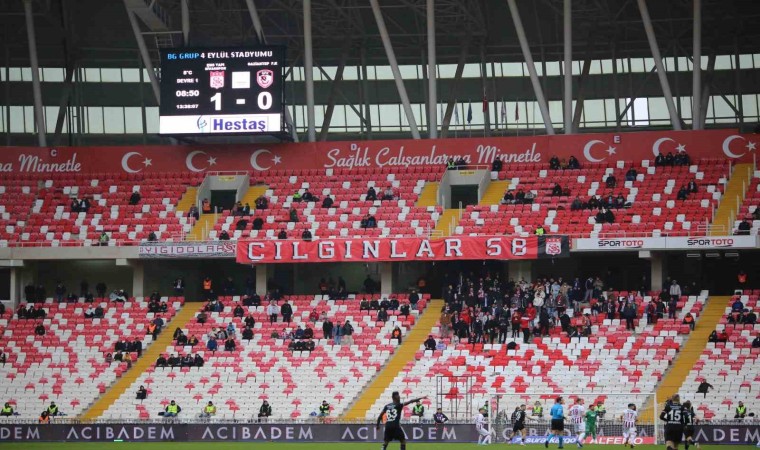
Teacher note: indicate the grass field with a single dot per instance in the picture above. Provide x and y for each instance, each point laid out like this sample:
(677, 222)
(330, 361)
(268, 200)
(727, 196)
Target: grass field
(304, 446)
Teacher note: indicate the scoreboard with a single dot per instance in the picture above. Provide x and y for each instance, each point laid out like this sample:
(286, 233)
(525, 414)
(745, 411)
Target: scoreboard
(221, 90)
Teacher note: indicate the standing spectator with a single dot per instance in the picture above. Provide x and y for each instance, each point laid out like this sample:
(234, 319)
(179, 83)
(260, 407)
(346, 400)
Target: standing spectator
(674, 290)
(327, 329)
(273, 310)
(60, 292)
(287, 312)
(629, 314)
(672, 307)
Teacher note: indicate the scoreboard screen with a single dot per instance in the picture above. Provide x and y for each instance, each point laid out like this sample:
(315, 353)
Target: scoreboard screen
(221, 90)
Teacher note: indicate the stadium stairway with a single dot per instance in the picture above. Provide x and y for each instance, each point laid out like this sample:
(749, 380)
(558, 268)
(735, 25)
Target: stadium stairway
(447, 223)
(494, 193)
(692, 348)
(202, 226)
(404, 353)
(148, 358)
(188, 199)
(252, 194)
(736, 189)
(429, 195)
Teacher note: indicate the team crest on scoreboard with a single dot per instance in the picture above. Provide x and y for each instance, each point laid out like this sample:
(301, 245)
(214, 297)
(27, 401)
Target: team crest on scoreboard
(553, 246)
(217, 79)
(265, 78)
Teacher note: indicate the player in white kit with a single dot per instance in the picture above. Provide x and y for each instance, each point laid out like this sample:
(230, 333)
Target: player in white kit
(578, 418)
(629, 417)
(484, 434)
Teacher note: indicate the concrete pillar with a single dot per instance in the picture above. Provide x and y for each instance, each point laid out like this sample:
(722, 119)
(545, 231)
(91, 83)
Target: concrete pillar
(386, 278)
(261, 279)
(138, 278)
(520, 269)
(658, 270)
(15, 294)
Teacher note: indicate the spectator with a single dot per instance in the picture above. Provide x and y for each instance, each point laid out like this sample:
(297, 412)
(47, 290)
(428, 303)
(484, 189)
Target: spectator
(273, 310)
(208, 411)
(193, 212)
(265, 410)
(60, 292)
(324, 410)
(172, 409)
(229, 344)
(347, 331)
(198, 360)
(308, 196)
(674, 290)
(396, 334)
(152, 237)
(509, 198)
(371, 194)
(737, 305)
(108, 358)
(246, 210)
(7, 410)
(704, 387)
(611, 181)
(741, 411)
(103, 239)
(744, 228)
(577, 204)
(44, 418)
(756, 341)
(287, 312)
(52, 410)
(75, 206)
(669, 159)
(750, 318)
(261, 202)
(135, 198)
(161, 361)
(689, 320)
(388, 193)
(127, 359)
(382, 315)
(142, 393)
(539, 231)
(683, 193)
(554, 163)
(306, 235)
(211, 344)
(369, 221)
(224, 236)
(557, 190)
(573, 163)
(722, 336)
(497, 165)
(631, 174)
(206, 206)
(327, 202)
(40, 330)
(282, 234)
(430, 343)
(529, 197)
(327, 329)
(692, 187)
(293, 214)
(659, 160)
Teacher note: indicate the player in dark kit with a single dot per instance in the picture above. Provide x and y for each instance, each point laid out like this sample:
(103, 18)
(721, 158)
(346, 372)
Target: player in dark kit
(673, 416)
(392, 413)
(689, 419)
(518, 424)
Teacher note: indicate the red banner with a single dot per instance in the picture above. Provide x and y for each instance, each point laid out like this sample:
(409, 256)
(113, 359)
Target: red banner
(603, 148)
(391, 249)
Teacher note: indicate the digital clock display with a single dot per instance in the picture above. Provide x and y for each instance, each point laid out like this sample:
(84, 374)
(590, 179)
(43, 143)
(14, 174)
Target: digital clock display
(221, 90)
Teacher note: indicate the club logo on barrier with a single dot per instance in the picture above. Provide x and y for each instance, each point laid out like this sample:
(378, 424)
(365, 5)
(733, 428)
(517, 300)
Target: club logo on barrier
(265, 78)
(217, 79)
(553, 246)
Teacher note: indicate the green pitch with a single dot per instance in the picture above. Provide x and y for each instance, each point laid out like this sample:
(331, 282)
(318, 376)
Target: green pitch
(309, 446)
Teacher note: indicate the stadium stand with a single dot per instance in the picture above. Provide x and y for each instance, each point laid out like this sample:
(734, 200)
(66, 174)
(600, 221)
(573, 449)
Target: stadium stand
(750, 209)
(611, 359)
(294, 382)
(67, 365)
(651, 200)
(730, 367)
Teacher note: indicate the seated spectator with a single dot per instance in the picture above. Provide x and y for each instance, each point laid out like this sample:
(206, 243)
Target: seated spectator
(282, 234)
(182, 340)
(229, 344)
(554, 163)
(89, 313)
(744, 228)
(619, 201)
(371, 194)
(308, 345)
(327, 202)
(723, 336)
(374, 305)
(404, 310)
(308, 333)
(689, 320)
(187, 361)
(388, 193)
(246, 211)
(756, 213)
(611, 181)
(599, 216)
(172, 409)
(369, 221)
(206, 206)
(293, 215)
(396, 334)
(108, 358)
(193, 341)
(659, 160)
(198, 361)
(39, 330)
(750, 318)
(152, 237)
(509, 198)
(577, 204)
(261, 202)
(247, 334)
(162, 361)
(134, 198)
(382, 315)
(174, 361)
(142, 393)
(202, 317)
(224, 236)
(306, 235)
(308, 196)
(430, 343)
(631, 174)
(237, 209)
(756, 341)
(238, 311)
(75, 207)
(669, 159)
(497, 165)
(242, 224)
(737, 305)
(529, 197)
(609, 217)
(741, 411)
(211, 344)
(692, 187)
(103, 239)
(594, 203)
(539, 231)
(557, 190)
(520, 197)
(573, 163)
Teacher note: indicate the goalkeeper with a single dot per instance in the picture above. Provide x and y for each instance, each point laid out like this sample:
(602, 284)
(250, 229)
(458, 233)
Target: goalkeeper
(591, 416)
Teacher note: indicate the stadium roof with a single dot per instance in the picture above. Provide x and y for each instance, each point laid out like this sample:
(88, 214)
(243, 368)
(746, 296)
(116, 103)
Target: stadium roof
(98, 33)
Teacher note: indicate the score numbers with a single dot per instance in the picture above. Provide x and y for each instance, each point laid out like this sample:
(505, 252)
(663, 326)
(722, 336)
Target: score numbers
(263, 100)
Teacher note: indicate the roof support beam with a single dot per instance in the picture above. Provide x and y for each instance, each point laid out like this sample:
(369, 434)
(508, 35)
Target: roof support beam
(308, 69)
(263, 40)
(455, 88)
(675, 121)
(333, 93)
(185, 7)
(542, 105)
(144, 53)
(394, 68)
(431, 72)
(706, 90)
(63, 105)
(696, 108)
(39, 114)
(568, 53)
(580, 98)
